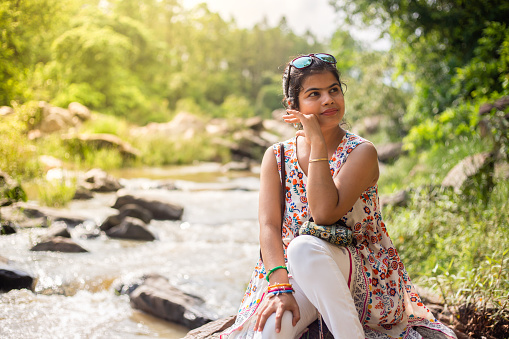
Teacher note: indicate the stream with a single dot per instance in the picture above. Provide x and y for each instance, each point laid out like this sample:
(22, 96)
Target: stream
(210, 253)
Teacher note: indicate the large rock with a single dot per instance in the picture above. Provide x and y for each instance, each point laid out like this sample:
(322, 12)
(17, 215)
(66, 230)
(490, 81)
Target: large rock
(160, 209)
(58, 229)
(390, 152)
(79, 110)
(400, 198)
(14, 279)
(184, 126)
(97, 180)
(70, 218)
(466, 169)
(211, 330)
(131, 228)
(159, 298)
(59, 244)
(7, 228)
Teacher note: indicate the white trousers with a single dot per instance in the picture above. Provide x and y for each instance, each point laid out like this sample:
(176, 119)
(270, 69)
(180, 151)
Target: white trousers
(320, 275)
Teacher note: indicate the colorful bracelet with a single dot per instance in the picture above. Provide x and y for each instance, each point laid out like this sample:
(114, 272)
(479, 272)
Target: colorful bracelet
(318, 159)
(275, 269)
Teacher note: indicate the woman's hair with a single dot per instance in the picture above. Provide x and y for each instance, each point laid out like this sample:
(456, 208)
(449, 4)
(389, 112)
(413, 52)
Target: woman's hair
(292, 81)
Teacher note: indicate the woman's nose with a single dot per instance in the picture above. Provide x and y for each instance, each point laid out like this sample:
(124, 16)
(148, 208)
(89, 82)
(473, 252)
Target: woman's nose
(327, 99)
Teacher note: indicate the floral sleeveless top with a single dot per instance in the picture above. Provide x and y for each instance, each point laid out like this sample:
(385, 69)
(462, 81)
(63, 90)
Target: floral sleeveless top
(386, 301)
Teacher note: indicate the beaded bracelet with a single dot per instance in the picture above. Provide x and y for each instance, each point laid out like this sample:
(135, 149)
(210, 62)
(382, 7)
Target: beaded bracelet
(275, 269)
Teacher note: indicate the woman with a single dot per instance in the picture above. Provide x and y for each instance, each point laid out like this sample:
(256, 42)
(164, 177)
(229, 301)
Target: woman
(360, 291)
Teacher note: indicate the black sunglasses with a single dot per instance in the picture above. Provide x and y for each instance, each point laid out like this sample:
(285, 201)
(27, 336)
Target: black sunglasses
(304, 61)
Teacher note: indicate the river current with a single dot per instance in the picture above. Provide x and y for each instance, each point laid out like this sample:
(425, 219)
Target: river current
(210, 253)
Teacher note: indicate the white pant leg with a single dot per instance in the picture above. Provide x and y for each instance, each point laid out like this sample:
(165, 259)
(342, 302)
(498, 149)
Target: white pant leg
(308, 314)
(322, 271)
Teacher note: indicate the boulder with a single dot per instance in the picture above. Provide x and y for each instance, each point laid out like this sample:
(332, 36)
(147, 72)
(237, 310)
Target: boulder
(97, 180)
(135, 211)
(58, 229)
(159, 298)
(183, 126)
(59, 244)
(79, 110)
(131, 228)
(400, 198)
(7, 228)
(54, 119)
(15, 279)
(466, 169)
(51, 214)
(160, 209)
(83, 193)
(390, 152)
(50, 162)
(211, 330)
(110, 222)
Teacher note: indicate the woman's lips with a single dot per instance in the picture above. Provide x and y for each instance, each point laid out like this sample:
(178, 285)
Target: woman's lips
(330, 111)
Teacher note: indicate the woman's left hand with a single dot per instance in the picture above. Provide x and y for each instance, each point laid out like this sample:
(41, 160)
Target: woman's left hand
(310, 124)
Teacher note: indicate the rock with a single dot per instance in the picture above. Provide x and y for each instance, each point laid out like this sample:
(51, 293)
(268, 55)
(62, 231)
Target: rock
(389, 152)
(183, 126)
(254, 123)
(7, 228)
(10, 190)
(14, 215)
(103, 140)
(58, 229)
(51, 214)
(15, 279)
(55, 119)
(211, 330)
(79, 110)
(160, 209)
(131, 228)
(110, 222)
(466, 169)
(400, 199)
(83, 193)
(159, 298)
(135, 211)
(59, 244)
(5, 111)
(97, 180)
(236, 166)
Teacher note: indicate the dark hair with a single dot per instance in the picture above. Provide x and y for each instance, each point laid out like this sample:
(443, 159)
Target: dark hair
(297, 76)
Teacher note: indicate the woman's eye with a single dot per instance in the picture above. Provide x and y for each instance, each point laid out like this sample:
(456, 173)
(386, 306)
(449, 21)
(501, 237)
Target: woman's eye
(313, 94)
(334, 89)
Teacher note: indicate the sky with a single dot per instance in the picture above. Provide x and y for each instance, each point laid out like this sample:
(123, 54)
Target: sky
(316, 16)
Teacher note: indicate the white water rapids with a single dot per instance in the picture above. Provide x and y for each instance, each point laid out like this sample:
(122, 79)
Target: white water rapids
(210, 253)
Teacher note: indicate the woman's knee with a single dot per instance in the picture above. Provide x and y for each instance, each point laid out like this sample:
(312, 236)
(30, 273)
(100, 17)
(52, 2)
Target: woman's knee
(287, 329)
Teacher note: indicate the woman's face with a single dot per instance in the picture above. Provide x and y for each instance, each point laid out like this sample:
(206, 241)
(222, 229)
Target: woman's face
(321, 95)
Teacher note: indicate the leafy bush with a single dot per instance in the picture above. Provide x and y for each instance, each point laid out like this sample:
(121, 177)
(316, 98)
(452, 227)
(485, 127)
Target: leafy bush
(55, 193)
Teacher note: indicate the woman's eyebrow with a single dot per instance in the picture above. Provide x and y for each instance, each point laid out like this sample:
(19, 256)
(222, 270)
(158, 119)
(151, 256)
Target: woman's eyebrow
(319, 89)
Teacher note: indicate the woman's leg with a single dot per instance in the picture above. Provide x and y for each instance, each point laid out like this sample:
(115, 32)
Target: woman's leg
(322, 271)
(308, 314)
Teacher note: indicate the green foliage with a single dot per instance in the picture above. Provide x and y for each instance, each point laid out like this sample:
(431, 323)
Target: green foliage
(17, 156)
(55, 193)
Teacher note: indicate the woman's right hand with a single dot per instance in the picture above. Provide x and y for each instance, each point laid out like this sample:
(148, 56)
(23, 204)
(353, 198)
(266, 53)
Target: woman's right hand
(277, 304)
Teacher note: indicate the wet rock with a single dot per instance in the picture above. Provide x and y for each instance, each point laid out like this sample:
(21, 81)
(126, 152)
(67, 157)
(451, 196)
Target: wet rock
(7, 227)
(211, 330)
(390, 152)
(51, 214)
(466, 169)
(400, 198)
(159, 298)
(59, 244)
(10, 190)
(135, 211)
(131, 228)
(110, 222)
(15, 279)
(15, 216)
(97, 180)
(83, 193)
(58, 229)
(160, 209)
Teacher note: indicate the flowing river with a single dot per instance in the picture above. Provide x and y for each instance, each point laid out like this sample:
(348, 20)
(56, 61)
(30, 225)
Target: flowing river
(209, 253)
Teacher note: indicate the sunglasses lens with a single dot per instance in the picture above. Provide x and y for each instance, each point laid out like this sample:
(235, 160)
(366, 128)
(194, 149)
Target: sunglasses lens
(326, 57)
(302, 62)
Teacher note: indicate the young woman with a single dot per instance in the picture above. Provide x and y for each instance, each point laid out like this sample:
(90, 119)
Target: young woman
(361, 290)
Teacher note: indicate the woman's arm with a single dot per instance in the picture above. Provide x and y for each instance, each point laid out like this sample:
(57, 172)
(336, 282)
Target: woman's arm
(269, 216)
(331, 198)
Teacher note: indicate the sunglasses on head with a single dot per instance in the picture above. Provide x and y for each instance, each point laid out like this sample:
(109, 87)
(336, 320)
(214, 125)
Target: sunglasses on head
(304, 61)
